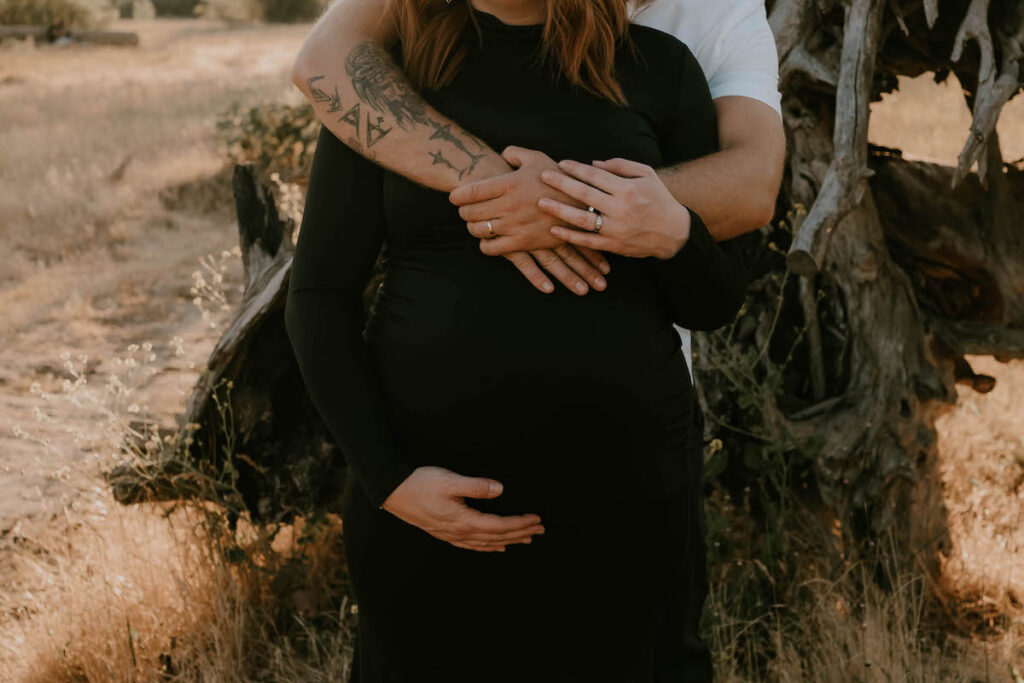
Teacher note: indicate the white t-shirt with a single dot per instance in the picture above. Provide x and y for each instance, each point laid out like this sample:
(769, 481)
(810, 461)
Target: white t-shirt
(731, 40)
(735, 47)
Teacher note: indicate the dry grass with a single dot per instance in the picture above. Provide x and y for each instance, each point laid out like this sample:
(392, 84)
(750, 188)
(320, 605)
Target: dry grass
(982, 477)
(117, 594)
(931, 121)
(92, 138)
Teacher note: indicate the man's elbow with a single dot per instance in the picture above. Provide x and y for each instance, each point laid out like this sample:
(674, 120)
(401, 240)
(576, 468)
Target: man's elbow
(762, 206)
(756, 209)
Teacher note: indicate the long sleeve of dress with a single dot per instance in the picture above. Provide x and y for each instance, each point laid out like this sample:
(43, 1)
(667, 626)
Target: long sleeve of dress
(339, 240)
(705, 282)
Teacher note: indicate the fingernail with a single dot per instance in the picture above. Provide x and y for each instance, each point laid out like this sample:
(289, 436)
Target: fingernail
(547, 175)
(565, 162)
(548, 287)
(495, 488)
(604, 268)
(599, 282)
(544, 201)
(581, 288)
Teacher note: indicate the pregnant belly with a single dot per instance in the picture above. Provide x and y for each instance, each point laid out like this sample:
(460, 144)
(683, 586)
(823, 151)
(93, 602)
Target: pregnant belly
(487, 376)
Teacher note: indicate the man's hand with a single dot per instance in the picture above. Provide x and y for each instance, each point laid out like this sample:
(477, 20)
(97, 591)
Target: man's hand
(509, 203)
(639, 216)
(431, 498)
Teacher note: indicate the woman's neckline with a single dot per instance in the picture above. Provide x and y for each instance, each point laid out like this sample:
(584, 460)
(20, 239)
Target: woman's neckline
(490, 22)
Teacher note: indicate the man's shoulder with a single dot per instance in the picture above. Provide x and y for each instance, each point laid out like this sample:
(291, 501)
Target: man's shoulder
(692, 21)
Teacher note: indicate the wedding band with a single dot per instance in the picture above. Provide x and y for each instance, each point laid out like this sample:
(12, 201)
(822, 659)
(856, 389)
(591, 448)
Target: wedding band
(593, 210)
(490, 229)
(600, 221)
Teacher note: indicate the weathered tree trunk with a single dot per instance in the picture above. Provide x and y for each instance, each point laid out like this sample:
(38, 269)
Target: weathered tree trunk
(919, 264)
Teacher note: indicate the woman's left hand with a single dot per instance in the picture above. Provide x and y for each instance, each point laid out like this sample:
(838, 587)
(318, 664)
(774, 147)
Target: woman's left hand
(639, 216)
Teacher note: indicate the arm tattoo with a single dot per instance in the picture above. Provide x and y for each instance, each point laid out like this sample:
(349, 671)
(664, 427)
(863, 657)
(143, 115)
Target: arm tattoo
(320, 96)
(382, 86)
(439, 158)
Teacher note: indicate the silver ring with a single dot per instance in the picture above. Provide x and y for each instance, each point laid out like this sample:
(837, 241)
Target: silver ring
(600, 221)
(490, 229)
(593, 210)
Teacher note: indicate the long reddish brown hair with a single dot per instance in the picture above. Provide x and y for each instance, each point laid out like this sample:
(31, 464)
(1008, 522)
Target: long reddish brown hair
(579, 40)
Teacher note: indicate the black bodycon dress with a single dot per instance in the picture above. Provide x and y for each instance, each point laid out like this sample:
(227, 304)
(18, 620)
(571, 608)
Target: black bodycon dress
(581, 406)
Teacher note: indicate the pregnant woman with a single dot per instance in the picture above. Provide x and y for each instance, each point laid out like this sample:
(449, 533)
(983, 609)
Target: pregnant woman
(581, 407)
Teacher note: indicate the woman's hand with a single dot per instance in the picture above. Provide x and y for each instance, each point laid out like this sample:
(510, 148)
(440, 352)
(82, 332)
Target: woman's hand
(639, 216)
(502, 213)
(431, 498)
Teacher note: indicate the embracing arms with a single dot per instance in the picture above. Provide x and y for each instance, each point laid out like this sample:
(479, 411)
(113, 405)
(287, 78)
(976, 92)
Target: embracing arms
(734, 188)
(360, 95)
(703, 281)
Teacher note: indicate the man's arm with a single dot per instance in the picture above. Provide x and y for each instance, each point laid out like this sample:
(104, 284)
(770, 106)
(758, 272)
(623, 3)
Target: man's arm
(366, 101)
(362, 97)
(734, 189)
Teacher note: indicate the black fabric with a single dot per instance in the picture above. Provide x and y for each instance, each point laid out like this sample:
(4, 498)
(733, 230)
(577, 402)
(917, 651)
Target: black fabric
(581, 406)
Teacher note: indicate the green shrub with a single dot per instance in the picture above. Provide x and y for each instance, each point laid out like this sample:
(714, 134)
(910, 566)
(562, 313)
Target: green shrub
(275, 138)
(288, 11)
(176, 8)
(79, 13)
(279, 11)
(230, 10)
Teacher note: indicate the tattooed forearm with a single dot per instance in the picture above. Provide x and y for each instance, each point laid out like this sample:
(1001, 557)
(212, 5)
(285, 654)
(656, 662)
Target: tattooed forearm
(444, 132)
(381, 99)
(382, 85)
(374, 128)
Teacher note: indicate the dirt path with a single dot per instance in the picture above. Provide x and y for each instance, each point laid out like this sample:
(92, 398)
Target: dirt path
(99, 258)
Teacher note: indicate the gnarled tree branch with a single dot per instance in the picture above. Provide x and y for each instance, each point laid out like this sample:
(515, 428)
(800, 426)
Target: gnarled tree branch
(844, 182)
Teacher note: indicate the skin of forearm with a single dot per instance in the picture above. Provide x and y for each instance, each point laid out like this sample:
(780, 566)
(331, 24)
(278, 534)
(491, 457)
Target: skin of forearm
(726, 188)
(734, 190)
(364, 98)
